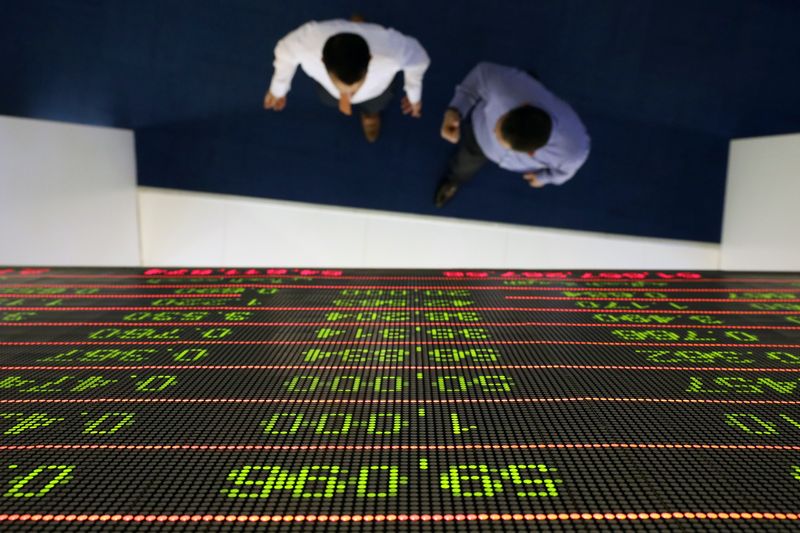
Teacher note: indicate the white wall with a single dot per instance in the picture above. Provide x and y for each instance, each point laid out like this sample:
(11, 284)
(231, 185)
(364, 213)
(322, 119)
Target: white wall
(67, 194)
(761, 225)
(182, 229)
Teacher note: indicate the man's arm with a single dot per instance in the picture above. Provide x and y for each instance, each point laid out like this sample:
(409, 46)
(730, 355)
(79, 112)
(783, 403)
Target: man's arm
(562, 173)
(470, 91)
(288, 55)
(414, 61)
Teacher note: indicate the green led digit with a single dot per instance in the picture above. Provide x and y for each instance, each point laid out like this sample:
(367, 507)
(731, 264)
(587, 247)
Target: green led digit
(19, 483)
(445, 385)
(379, 420)
(783, 387)
(346, 384)
(741, 336)
(744, 421)
(64, 356)
(311, 474)
(453, 479)
(389, 355)
(269, 426)
(498, 383)
(156, 383)
(190, 355)
(458, 429)
(346, 420)
(393, 482)
(32, 421)
(92, 382)
(116, 421)
(12, 382)
(547, 485)
(302, 384)
(790, 420)
(393, 384)
(104, 354)
(784, 357)
(275, 480)
(216, 333)
(474, 333)
(241, 315)
(628, 334)
(441, 333)
(104, 333)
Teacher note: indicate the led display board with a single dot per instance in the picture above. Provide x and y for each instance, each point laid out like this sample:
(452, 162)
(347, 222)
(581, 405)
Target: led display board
(391, 399)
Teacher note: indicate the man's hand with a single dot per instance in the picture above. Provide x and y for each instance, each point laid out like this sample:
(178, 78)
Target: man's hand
(451, 126)
(532, 180)
(276, 104)
(415, 110)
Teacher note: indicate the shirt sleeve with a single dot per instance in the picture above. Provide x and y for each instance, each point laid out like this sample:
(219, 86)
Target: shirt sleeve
(564, 171)
(470, 91)
(288, 55)
(413, 60)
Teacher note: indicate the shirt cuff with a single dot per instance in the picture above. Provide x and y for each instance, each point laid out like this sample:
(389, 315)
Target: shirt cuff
(461, 103)
(278, 89)
(414, 94)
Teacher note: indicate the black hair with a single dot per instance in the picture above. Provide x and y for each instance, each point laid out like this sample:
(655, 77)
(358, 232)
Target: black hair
(346, 56)
(526, 128)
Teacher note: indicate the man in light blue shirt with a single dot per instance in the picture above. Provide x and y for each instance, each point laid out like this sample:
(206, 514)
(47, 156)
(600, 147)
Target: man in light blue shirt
(517, 123)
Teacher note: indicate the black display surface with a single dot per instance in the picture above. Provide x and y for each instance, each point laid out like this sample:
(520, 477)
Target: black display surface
(300, 399)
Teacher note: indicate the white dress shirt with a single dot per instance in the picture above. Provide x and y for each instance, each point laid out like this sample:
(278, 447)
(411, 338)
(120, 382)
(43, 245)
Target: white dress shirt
(391, 52)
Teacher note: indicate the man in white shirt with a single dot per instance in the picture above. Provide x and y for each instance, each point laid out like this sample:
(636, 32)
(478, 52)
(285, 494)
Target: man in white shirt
(353, 63)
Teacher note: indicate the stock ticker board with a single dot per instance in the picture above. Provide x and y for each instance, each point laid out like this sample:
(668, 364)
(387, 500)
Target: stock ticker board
(294, 399)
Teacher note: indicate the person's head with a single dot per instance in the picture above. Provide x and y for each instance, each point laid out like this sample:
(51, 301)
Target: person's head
(346, 57)
(524, 129)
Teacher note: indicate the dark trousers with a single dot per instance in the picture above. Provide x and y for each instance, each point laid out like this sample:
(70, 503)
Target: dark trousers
(467, 159)
(374, 105)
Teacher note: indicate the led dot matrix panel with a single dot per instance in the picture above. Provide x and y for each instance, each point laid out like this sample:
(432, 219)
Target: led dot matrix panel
(294, 399)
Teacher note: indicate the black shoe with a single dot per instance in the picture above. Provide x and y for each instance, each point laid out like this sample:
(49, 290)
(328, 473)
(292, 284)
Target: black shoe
(446, 190)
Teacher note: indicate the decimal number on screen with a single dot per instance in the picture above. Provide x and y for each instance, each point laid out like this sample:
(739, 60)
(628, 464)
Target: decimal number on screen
(79, 384)
(356, 383)
(158, 334)
(36, 482)
(108, 423)
(472, 481)
(646, 318)
(186, 316)
(370, 355)
(376, 423)
(438, 333)
(400, 302)
(623, 295)
(125, 355)
(776, 306)
(718, 357)
(739, 385)
(404, 316)
(763, 425)
(677, 335)
(404, 292)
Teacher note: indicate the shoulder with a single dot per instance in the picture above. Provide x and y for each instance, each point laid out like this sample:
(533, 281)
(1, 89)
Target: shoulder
(326, 28)
(569, 140)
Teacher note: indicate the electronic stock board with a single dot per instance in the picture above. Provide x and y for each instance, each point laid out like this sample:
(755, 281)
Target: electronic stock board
(299, 399)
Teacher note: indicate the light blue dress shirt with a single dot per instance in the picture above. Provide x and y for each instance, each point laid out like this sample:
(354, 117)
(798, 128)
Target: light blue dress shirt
(491, 91)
